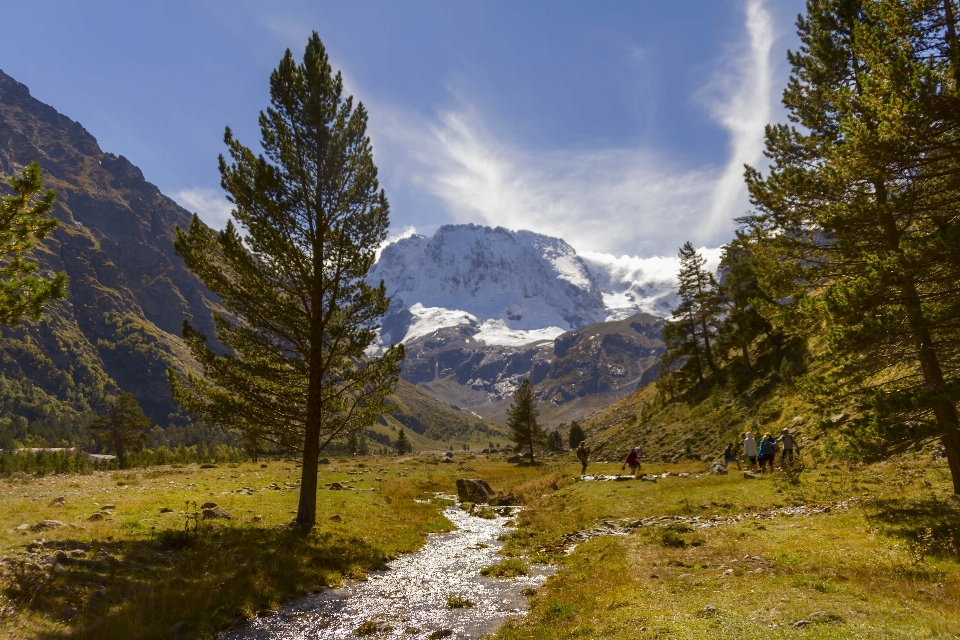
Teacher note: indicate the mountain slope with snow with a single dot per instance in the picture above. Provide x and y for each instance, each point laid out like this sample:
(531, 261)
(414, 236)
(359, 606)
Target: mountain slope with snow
(480, 309)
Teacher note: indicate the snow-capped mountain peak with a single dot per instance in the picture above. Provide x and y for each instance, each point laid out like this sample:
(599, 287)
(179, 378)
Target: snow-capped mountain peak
(515, 287)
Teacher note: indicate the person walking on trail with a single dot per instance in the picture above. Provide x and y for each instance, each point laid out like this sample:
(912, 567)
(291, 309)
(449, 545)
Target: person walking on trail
(582, 453)
(768, 447)
(750, 449)
(633, 459)
(729, 456)
(788, 441)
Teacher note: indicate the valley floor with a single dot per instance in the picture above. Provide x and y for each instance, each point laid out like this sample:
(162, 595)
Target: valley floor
(884, 567)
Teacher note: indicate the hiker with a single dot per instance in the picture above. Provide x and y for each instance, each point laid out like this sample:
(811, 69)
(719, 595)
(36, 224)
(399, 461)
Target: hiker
(788, 444)
(582, 453)
(750, 449)
(729, 456)
(768, 447)
(633, 459)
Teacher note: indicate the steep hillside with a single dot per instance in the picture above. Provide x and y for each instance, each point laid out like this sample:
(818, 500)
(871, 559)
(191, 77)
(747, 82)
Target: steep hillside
(128, 292)
(700, 425)
(576, 372)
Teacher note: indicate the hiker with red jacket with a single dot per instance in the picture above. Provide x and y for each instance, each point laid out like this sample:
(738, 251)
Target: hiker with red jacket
(633, 459)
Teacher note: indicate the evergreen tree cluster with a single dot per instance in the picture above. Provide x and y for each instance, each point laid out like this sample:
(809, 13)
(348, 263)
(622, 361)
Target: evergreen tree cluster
(854, 237)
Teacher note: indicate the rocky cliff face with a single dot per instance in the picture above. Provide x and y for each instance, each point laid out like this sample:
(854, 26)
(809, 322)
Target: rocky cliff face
(129, 293)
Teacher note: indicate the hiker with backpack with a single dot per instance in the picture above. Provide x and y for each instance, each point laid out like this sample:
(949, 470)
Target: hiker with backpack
(768, 448)
(789, 442)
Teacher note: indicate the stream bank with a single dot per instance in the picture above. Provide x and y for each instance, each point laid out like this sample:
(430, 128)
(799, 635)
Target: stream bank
(410, 599)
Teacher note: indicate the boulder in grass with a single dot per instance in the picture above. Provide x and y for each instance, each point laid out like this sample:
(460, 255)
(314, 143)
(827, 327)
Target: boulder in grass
(473, 490)
(336, 486)
(95, 517)
(58, 502)
(751, 475)
(336, 518)
(209, 505)
(44, 525)
(718, 468)
(216, 512)
(649, 478)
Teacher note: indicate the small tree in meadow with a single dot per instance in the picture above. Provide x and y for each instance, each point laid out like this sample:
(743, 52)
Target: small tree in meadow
(124, 424)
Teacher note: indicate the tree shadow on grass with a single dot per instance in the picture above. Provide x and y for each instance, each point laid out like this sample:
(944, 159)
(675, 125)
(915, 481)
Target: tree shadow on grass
(930, 525)
(175, 585)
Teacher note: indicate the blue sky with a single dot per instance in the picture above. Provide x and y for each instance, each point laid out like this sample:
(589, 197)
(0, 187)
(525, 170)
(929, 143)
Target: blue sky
(620, 126)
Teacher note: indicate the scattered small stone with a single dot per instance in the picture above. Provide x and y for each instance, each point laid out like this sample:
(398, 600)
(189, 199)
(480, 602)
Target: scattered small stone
(335, 486)
(528, 592)
(209, 505)
(441, 633)
(649, 478)
(336, 518)
(751, 475)
(257, 518)
(709, 609)
(58, 502)
(166, 510)
(108, 507)
(22, 527)
(95, 517)
(800, 623)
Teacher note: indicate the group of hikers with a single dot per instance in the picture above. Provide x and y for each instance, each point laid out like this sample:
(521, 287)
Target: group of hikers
(762, 453)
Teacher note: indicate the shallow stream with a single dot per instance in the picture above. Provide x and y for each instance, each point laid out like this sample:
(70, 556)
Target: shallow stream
(410, 598)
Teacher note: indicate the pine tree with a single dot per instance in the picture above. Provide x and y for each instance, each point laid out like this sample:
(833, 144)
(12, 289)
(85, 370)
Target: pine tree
(576, 435)
(403, 444)
(522, 419)
(689, 333)
(300, 312)
(860, 218)
(23, 222)
(738, 295)
(124, 424)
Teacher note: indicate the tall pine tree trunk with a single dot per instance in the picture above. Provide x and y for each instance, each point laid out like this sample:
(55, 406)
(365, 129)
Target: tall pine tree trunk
(945, 412)
(696, 350)
(706, 347)
(747, 369)
(307, 506)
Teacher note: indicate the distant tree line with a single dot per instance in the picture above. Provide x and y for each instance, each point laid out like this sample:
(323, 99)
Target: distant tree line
(853, 242)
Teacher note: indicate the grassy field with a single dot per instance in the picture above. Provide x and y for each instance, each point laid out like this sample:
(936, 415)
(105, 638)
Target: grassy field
(137, 574)
(887, 567)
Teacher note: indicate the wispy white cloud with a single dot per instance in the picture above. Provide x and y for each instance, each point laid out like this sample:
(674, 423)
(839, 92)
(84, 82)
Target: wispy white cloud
(406, 232)
(615, 199)
(212, 207)
(742, 102)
